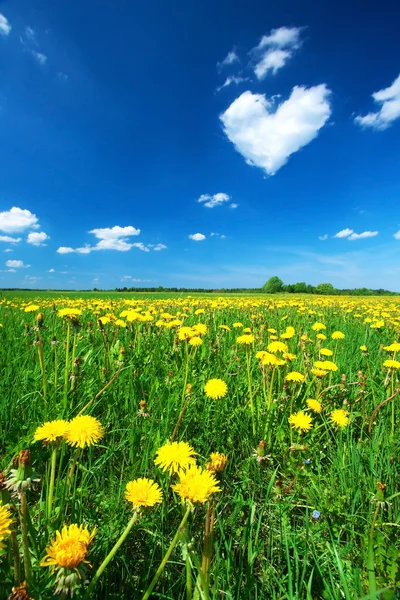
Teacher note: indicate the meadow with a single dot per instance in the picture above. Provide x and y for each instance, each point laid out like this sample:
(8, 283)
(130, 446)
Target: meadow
(199, 447)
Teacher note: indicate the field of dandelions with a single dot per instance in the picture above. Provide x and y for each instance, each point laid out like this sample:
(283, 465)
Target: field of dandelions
(199, 447)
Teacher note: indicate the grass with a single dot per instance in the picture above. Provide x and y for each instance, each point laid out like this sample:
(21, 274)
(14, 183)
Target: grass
(268, 541)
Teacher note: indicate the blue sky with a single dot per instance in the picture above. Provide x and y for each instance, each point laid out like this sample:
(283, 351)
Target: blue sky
(210, 144)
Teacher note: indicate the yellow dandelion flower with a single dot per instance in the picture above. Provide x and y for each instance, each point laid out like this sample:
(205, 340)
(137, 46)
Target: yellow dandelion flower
(378, 325)
(143, 492)
(245, 340)
(277, 347)
(301, 421)
(52, 431)
(319, 372)
(104, 320)
(70, 547)
(31, 308)
(391, 364)
(196, 484)
(185, 333)
(84, 431)
(321, 336)
(261, 353)
(325, 365)
(120, 323)
(288, 334)
(247, 330)
(289, 356)
(199, 311)
(69, 312)
(271, 359)
(326, 352)
(175, 456)
(339, 417)
(237, 325)
(318, 326)
(271, 330)
(215, 389)
(5, 523)
(200, 328)
(395, 347)
(338, 335)
(363, 348)
(314, 405)
(225, 327)
(295, 376)
(218, 462)
(195, 341)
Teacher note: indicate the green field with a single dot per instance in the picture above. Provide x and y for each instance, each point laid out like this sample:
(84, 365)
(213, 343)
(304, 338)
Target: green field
(308, 503)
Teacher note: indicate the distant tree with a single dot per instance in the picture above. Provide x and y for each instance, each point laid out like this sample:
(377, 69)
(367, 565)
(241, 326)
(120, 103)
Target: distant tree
(325, 288)
(273, 285)
(289, 288)
(300, 288)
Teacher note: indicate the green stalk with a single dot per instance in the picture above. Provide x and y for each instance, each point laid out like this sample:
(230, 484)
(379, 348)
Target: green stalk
(52, 479)
(111, 555)
(167, 555)
(25, 542)
(66, 371)
(271, 383)
(371, 558)
(250, 390)
(17, 561)
(41, 360)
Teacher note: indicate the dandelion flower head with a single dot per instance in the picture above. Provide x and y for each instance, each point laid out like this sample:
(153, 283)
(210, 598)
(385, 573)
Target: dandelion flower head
(143, 492)
(340, 417)
(338, 335)
(314, 405)
(301, 421)
(245, 340)
(174, 456)
(52, 431)
(295, 376)
(196, 484)
(70, 547)
(215, 389)
(84, 431)
(5, 523)
(391, 364)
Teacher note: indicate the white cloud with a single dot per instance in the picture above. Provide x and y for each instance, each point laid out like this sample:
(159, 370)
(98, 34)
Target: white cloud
(389, 101)
(363, 235)
(197, 237)
(266, 137)
(84, 249)
(229, 80)
(37, 238)
(343, 233)
(16, 264)
(323, 237)
(39, 57)
(5, 26)
(141, 246)
(11, 271)
(233, 205)
(30, 34)
(275, 49)
(114, 238)
(65, 250)
(8, 250)
(159, 247)
(17, 219)
(8, 239)
(52, 271)
(211, 201)
(397, 235)
(230, 59)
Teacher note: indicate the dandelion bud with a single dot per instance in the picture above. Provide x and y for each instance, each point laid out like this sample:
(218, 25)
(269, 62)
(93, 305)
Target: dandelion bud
(122, 351)
(218, 462)
(143, 404)
(40, 319)
(188, 388)
(19, 593)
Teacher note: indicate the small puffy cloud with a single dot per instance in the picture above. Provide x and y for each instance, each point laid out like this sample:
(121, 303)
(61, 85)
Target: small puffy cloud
(220, 235)
(8, 250)
(266, 136)
(397, 235)
(114, 238)
(363, 235)
(389, 101)
(130, 278)
(233, 205)
(17, 219)
(230, 59)
(275, 49)
(11, 271)
(84, 249)
(323, 237)
(211, 201)
(5, 26)
(9, 240)
(141, 246)
(229, 80)
(52, 270)
(40, 58)
(37, 238)
(30, 34)
(65, 250)
(343, 233)
(197, 237)
(16, 264)
(159, 247)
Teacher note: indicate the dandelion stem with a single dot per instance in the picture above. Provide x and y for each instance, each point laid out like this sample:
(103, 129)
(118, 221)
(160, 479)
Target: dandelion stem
(17, 561)
(167, 555)
(25, 542)
(111, 555)
(250, 390)
(180, 418)
(41, 360)
(52, 479)
(66, 371)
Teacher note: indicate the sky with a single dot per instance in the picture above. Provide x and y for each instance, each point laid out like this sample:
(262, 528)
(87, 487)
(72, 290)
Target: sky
(199, 144)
